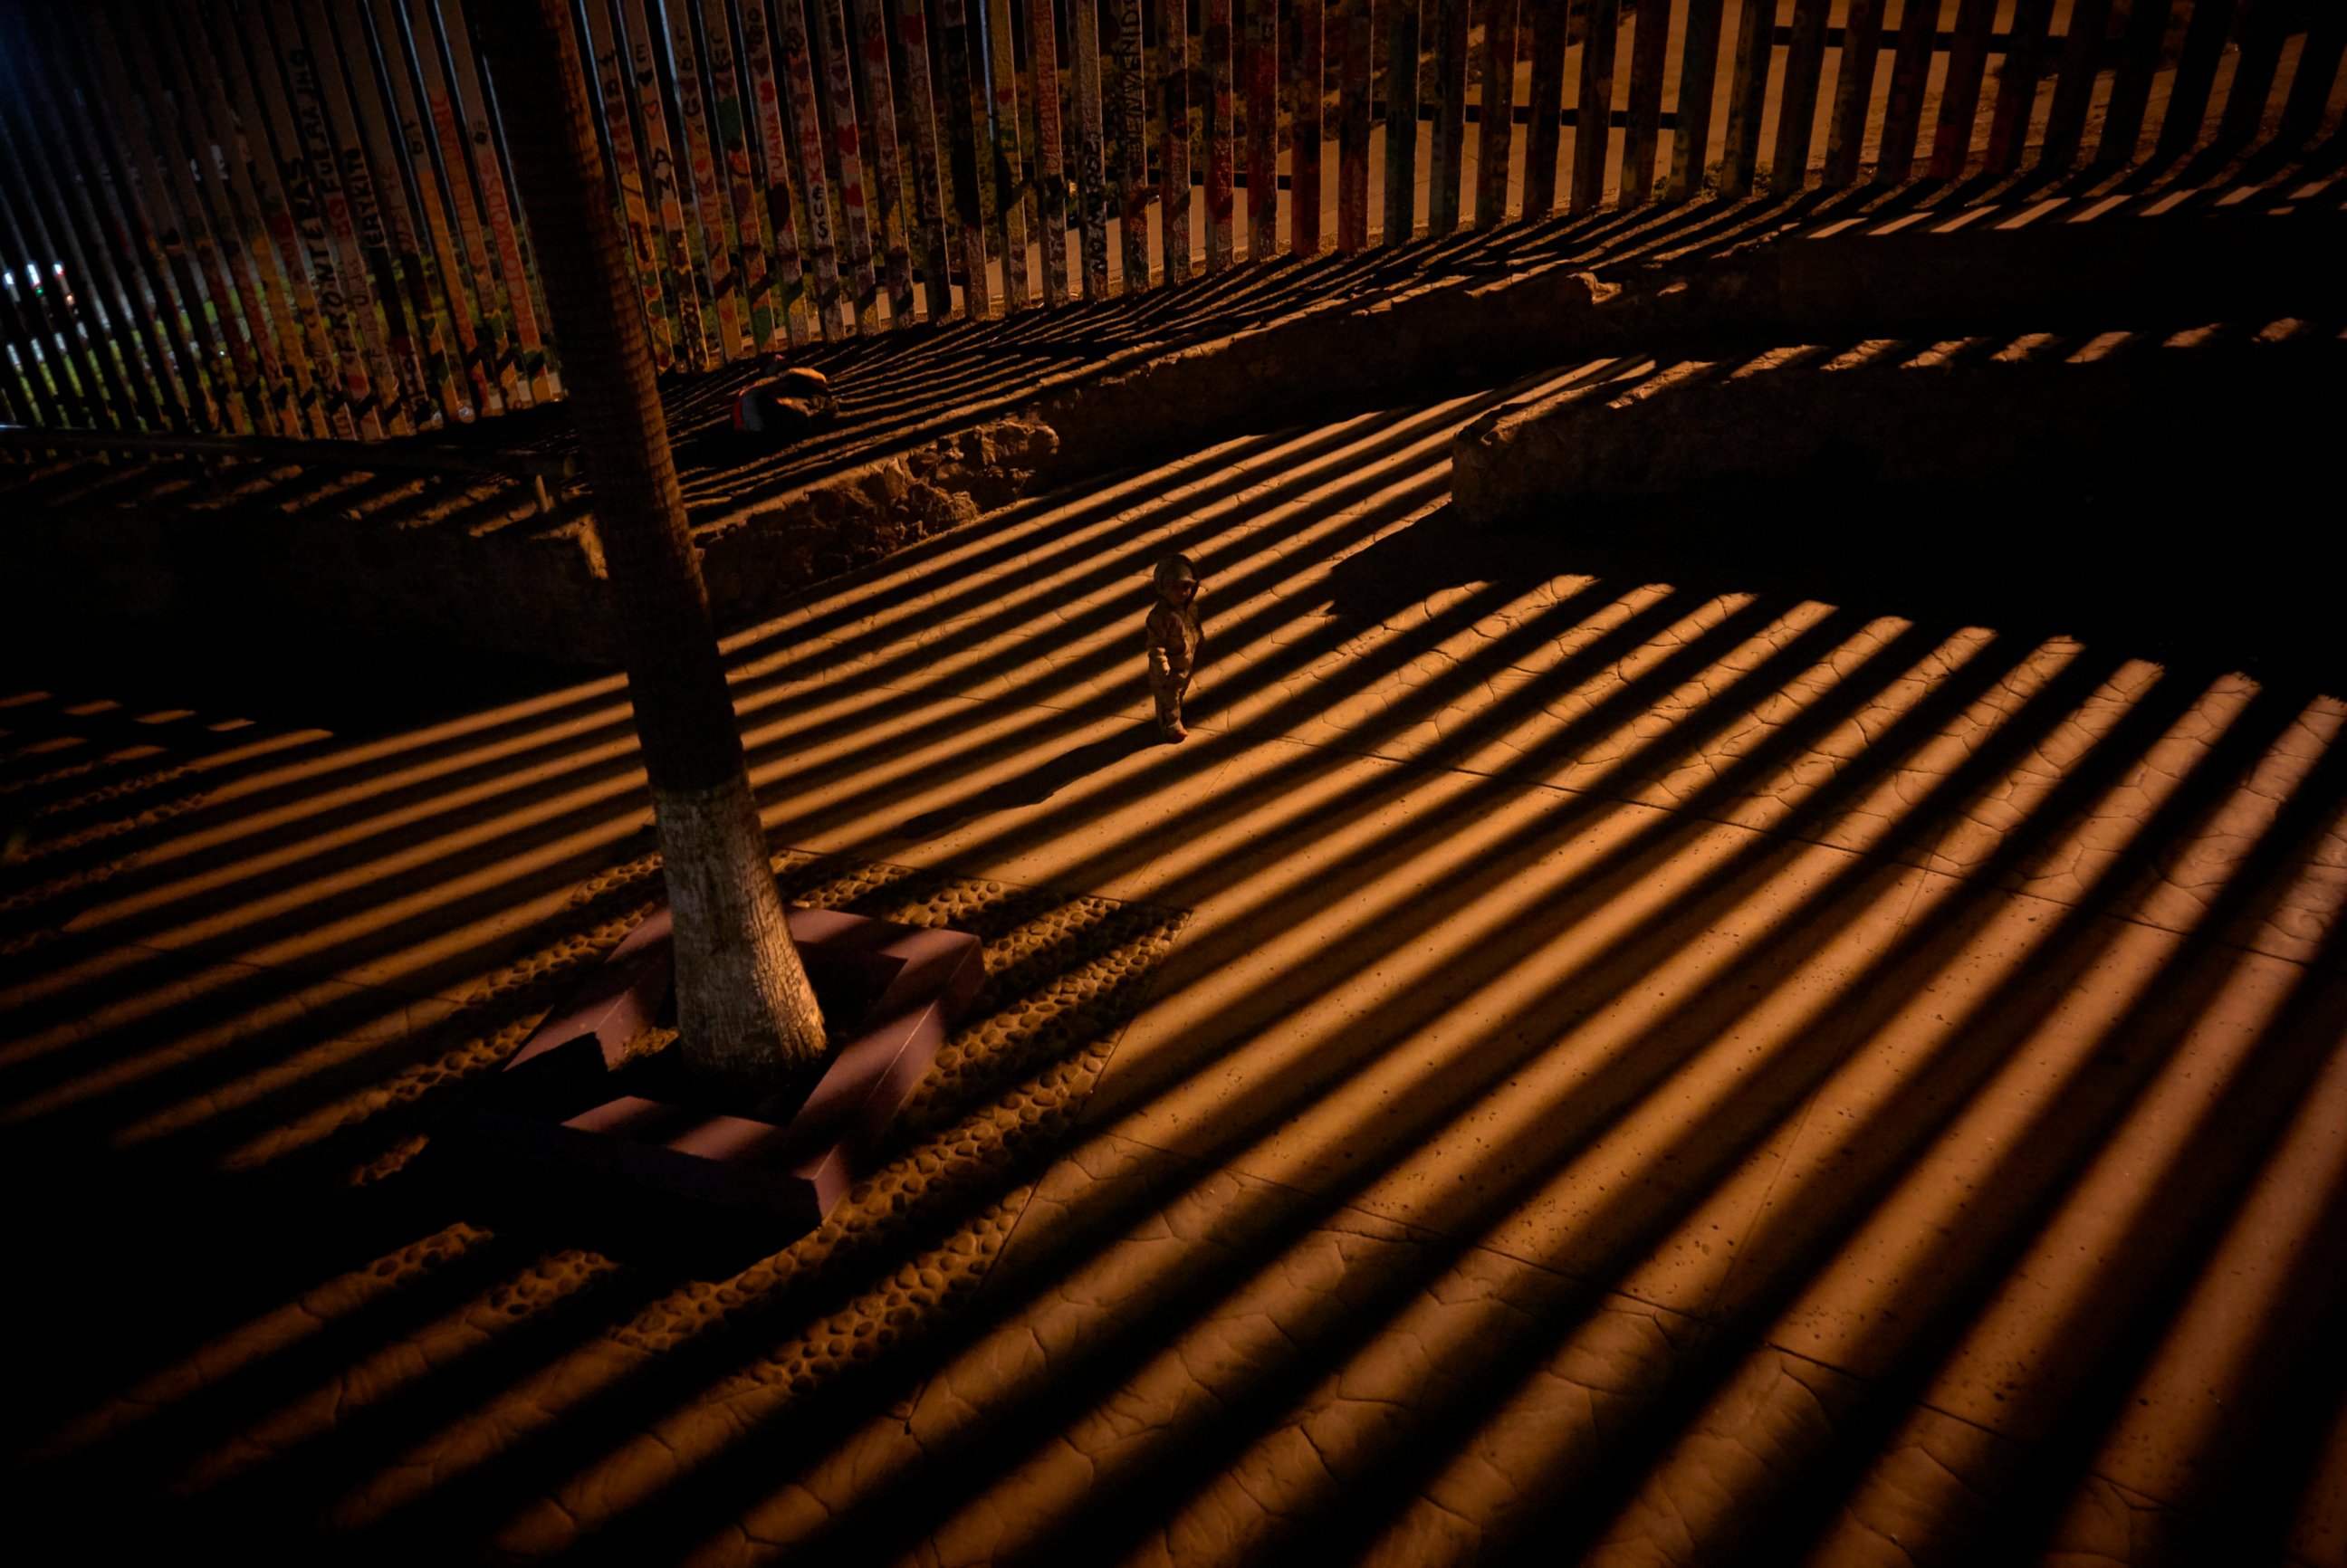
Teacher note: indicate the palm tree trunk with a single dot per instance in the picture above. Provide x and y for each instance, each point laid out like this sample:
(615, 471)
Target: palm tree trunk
(746, 1013)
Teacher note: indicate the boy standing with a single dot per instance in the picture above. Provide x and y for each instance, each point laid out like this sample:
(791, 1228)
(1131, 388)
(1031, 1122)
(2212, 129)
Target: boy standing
(1173, 635)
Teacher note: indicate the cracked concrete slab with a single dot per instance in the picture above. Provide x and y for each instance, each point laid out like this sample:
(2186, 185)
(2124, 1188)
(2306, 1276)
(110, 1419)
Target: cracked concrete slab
(1581, 1053)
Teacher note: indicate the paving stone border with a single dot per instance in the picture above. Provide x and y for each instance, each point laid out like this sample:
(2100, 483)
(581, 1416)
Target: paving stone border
(577, 1096)
(906, 1247)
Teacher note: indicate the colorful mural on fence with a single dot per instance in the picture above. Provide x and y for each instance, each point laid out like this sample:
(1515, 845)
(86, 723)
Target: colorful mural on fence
(295, 217)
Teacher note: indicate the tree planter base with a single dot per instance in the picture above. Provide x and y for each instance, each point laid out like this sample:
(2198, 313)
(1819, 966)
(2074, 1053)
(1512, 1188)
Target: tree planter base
(565, 1099)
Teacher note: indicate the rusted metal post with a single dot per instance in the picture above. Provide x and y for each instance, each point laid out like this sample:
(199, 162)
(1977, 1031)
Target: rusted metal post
(887, 178)
(1798, 104)
(1132, 137)
(2074, 88)
(1091, 183)
(1358, 21)
(1401, 121)
(1952, 138)
(1642, 120)
(1691, 126)
(1756, 30)
(2017, 88)
(1450, 146)
(1263, 128)
(1593, 112)
(1221, 128)
(1174, 161)
(1305, 130)
(806, 125)
(928, 164)
(828, 30)
(1051, 164)
(965, 112)
(1903, 115)
(780, 207)
(1498, 110)
(1010, 186)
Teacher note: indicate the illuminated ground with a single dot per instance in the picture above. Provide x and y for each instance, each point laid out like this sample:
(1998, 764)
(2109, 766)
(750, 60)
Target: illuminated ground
(1585, 1051)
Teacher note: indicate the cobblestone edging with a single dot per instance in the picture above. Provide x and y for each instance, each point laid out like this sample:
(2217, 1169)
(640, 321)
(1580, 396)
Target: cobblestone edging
(905, 1248)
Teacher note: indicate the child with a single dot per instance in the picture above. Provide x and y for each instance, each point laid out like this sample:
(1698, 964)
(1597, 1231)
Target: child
(776, 409)
(1173, 635)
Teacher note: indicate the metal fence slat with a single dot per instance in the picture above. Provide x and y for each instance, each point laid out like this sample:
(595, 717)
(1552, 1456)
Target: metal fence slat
(345, 189)
(887, 176)
(928, 201)
(762, 305)
(346, 382)
(2318, 68)
(1125, 18)
(466, 316)
(1755, 30)
(1448, 152)
(96, 252)
(44, 386)
(1544, 137)
(1641, 127)
(2265, 26)
(491, 289)
(104, 393)
(139, 291)
(1173, 128)
(2017, 87)
(1798, 110)
(71, 242)
(964, 116)
(711, 216)
(327, 132)
(778, 202)
(822, 242)
(1307, 125)
(417, 333)
(310, 376)
(220, 253)
(2074, 87)
(239, 320)
(397, 205)
(1592, 113)
(1903, 115)
(1221, 132)
(1050, 163)
(1263, 128)
(107, 178)
(1091, 188)
(1401, 34)
(1691, 123)
(1952, 137)
(606, 59)
(2139, 50)
(1356, 20)
(1496, 122)
(466, 98)
(160, 187)
(832, 49)
(472, 104)
(1011, 189)
(2196, 76)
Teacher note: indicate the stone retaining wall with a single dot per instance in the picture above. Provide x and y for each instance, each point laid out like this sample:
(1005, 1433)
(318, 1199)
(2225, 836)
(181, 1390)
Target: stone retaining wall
(1979, 414)
(471, 565)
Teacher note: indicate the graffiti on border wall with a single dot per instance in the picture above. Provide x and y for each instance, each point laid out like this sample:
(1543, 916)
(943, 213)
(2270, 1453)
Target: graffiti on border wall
(311, 198)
